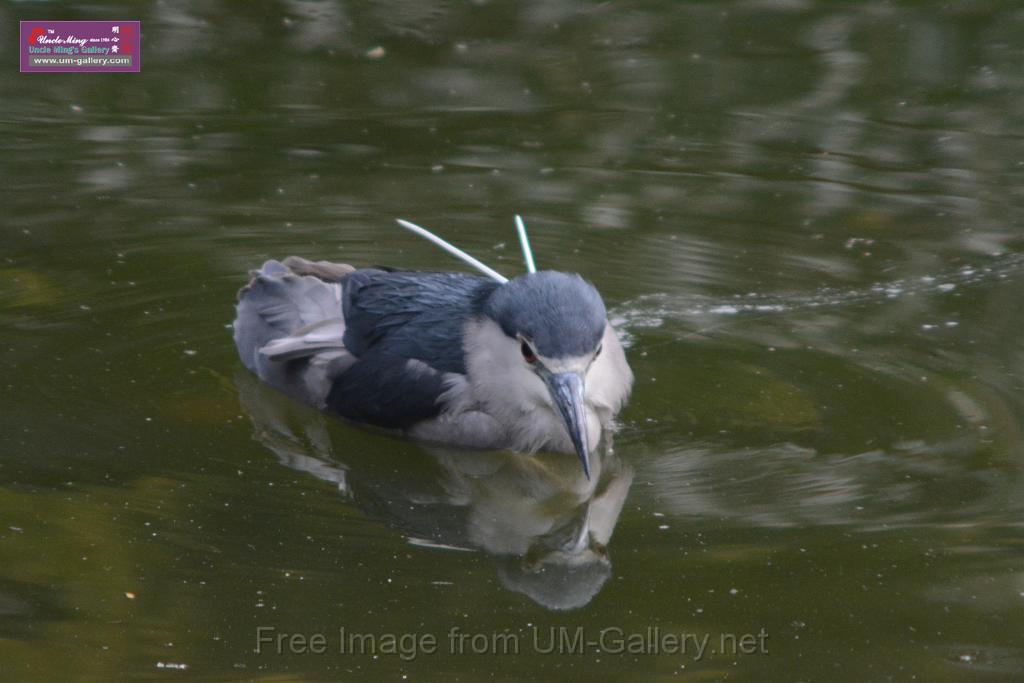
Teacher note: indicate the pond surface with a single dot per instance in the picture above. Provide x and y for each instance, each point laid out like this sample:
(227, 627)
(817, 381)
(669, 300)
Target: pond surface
(805, 217)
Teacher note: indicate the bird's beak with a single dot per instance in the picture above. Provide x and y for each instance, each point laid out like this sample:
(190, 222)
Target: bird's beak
(567, 392)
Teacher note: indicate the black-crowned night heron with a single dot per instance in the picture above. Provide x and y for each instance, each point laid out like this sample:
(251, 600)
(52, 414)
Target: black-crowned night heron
(527, 364)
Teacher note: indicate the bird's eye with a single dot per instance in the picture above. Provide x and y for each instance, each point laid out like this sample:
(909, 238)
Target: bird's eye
(528, 354)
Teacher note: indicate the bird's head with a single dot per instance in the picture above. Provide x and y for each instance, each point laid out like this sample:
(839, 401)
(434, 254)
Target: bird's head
(554, 323)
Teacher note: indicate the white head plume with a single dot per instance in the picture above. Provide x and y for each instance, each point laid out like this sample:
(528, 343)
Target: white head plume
(453, 250)
(524, 242)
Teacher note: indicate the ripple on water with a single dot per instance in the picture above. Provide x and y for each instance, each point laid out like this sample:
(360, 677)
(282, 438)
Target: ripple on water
(789, 486)
(655, 310)
(824, 409)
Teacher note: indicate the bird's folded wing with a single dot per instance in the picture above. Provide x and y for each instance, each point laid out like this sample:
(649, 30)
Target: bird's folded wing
(388, 390)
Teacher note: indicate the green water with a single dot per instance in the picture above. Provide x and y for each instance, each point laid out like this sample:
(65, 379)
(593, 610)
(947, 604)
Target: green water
(805, 218)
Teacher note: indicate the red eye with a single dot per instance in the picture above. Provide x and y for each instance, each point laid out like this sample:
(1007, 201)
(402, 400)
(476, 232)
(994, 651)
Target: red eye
(528, 355)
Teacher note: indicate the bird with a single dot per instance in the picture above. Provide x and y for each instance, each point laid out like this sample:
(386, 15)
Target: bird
(526, 364)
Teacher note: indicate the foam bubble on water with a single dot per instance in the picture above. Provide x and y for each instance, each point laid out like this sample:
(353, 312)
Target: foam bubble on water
(657, 310)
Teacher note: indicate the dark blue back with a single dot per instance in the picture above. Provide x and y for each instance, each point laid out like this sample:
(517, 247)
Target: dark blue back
(394, 317)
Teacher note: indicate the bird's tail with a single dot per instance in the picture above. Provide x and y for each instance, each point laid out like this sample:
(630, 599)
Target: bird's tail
(289, 326)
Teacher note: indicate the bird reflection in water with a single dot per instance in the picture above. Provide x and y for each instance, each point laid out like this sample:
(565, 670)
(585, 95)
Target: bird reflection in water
(545, 524)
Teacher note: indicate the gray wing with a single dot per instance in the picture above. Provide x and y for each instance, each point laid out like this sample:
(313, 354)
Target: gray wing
(288, 328)
(405, 329)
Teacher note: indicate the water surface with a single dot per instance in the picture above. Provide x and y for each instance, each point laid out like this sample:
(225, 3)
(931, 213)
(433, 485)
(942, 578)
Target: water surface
(805, 218)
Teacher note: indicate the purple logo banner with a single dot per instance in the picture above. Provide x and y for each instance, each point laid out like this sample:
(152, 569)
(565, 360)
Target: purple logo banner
(91, 46)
